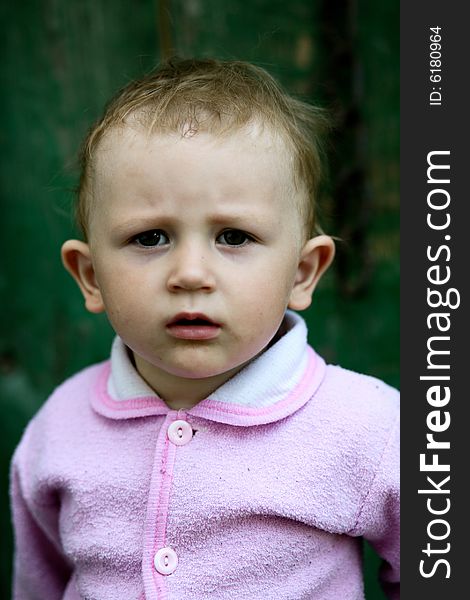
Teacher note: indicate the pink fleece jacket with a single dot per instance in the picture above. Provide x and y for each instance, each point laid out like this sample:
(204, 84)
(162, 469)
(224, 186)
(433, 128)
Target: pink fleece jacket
(260, 492)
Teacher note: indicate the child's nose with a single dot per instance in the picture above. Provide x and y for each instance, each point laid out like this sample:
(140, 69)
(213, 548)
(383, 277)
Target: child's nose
(191, 270)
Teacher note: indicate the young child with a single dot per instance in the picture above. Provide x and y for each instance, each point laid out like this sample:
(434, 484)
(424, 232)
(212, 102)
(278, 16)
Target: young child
(214, 455)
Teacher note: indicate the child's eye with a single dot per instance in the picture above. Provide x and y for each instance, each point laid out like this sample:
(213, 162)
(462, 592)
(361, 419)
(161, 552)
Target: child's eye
(234, 237)
(151, 238)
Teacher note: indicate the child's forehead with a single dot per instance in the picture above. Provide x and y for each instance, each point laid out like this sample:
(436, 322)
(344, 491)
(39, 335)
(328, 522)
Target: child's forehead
(248, 167)
(132, 138)
(250, 158)
(250, 161)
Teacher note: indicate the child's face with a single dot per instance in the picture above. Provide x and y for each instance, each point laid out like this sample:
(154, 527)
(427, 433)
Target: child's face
(195, 227)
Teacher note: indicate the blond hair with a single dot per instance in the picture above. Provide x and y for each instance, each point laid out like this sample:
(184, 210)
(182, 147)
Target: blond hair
(218, 97)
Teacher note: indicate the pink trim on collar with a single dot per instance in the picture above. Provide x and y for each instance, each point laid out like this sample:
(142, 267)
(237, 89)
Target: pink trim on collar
(107, 406)
(243, 415)
(210, 409)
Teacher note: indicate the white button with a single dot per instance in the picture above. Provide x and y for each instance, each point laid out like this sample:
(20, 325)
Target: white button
(165, 561)
(180, 433)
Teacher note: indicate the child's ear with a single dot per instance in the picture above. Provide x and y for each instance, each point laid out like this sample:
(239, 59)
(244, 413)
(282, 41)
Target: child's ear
(315, 258)
(77, 260)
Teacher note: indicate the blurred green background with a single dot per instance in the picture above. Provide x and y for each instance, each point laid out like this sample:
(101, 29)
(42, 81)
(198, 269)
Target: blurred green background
(61, 60)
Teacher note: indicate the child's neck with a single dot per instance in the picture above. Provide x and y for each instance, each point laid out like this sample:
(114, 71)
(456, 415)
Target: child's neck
(180, 392)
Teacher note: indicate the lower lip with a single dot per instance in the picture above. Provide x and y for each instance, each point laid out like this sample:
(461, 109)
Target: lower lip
(194, 332)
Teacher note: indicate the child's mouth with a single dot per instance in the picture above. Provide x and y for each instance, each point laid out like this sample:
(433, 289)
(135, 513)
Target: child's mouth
(192, 326)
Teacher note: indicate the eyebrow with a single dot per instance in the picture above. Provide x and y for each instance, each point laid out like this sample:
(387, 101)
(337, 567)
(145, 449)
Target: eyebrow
(242, 219)
(141, 223)
(159, 222)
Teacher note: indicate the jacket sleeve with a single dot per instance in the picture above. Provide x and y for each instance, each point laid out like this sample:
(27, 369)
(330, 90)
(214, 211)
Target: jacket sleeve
(379, 518)
(40, 568)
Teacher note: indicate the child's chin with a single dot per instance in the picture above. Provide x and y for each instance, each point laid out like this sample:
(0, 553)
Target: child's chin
(193, 370)
(192, 373)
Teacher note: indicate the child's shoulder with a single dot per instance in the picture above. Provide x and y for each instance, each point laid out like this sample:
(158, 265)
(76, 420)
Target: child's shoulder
(60, 423)
(356, 420)
(80, 384)
(69, 402)
(357, 402)
(359, 388)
